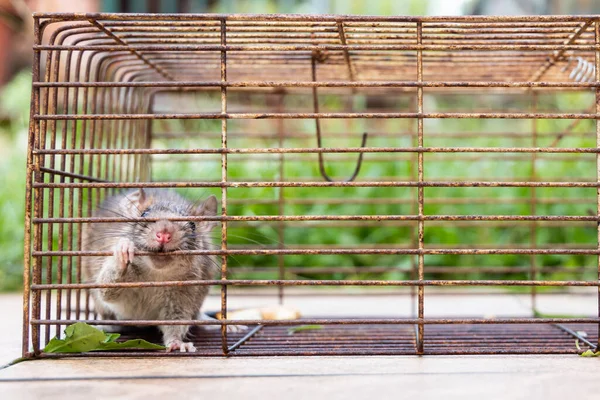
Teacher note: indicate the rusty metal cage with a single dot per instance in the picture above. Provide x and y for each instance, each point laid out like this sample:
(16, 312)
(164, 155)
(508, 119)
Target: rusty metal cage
(434, 152)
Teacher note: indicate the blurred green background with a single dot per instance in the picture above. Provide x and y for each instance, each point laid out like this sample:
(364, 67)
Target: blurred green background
(15, 76)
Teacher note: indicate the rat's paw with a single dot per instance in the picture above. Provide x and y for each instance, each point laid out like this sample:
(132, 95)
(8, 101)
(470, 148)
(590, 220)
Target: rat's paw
(178, 345)
(124, 253)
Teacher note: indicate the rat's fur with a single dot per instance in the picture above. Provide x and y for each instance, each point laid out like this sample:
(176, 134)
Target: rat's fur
(162, 303)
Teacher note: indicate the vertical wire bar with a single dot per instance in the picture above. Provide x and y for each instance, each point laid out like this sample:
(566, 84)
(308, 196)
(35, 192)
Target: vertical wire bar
(414, 271)
(113, 97)
(48, 107)
(95, 139)
(281, 196)
(533, 267)
(119, 135)
(39, 202)
(137, 130)
(139, 135)
(421, 223)
(146, 166)
(62, 192)
(33, 127)
(84, 129)
(224, 188)
(52, 67)
(597, 59)
(73, 232)
(129, 134)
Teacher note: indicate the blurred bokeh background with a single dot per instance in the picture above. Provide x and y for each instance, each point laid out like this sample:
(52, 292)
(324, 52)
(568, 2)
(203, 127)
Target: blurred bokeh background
(15, 70)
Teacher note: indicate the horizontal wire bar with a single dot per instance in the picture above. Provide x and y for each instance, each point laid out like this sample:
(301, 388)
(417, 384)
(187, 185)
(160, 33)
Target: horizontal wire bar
(244, 218)
(390, 178)
(456, 269)
(297, 135)
(393, 251)
(327, 321)
(389, 201)
(291, 351)
(406, 245)
(563, 26)
(320, 47)
(351, 84)
(264, 18)
(396, 224)
(339, 115)
(230, 184)
(297, 282)
(400, 200)
(317, 150)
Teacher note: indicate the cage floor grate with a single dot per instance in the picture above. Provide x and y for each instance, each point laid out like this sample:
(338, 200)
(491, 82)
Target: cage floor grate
(389, 340)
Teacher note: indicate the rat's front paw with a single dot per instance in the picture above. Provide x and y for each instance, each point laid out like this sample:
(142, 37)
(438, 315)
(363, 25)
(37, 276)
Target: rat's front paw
(124, 253)
(178, 345)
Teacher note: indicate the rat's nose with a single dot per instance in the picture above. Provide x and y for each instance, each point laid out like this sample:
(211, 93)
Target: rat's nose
(163, 237)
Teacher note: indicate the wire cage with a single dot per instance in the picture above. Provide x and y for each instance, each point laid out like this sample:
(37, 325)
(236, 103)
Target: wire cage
(365, 155)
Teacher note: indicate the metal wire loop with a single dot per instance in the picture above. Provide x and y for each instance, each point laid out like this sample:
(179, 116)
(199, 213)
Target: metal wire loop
(314, 59)
(584, 71)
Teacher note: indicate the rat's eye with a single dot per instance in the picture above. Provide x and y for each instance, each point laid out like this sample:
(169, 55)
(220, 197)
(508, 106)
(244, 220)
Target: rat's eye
(192, 226)
(145, 213)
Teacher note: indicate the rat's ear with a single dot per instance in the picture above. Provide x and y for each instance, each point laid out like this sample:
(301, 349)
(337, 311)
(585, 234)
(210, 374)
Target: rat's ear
(208, 208)
(138, 200)
(142, 198)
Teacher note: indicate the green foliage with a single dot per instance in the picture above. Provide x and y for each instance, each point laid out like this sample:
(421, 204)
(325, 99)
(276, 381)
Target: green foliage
(81, 338)
(14, 102)
(295, 329)
(314, 201)
(14, 106)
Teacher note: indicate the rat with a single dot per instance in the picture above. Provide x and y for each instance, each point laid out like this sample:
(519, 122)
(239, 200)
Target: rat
(124, 239)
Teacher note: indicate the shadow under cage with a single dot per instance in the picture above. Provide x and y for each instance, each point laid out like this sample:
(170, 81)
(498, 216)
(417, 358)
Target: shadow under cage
(363, 166)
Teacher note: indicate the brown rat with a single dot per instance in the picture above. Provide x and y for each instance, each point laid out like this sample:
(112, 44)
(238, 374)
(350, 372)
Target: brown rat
(126, 238)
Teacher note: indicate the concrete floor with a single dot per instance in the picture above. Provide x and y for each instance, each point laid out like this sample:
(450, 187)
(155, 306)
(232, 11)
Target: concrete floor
(465, 377)
(448, 377)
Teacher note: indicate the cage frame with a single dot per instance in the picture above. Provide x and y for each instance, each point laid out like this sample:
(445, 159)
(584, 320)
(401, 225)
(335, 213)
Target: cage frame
(34, 220)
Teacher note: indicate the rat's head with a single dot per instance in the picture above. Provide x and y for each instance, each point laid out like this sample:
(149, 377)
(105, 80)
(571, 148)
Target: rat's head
(164, 235)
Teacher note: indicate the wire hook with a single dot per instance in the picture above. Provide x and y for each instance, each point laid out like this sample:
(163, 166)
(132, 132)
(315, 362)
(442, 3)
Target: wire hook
(318, 129)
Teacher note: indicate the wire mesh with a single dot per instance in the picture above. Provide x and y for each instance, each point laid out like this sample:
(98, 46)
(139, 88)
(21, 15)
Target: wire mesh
(347, 151)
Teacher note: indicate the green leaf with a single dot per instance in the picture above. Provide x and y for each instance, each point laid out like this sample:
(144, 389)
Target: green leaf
(301, 328)
(81, 337)
(111, 337)
(538, 314)
(134, 344)
(590, 353)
